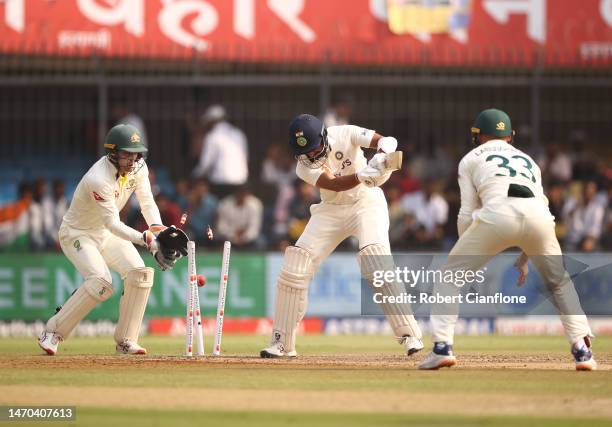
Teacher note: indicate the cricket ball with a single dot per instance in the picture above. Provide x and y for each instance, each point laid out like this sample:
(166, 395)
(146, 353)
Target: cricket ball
(201, 280)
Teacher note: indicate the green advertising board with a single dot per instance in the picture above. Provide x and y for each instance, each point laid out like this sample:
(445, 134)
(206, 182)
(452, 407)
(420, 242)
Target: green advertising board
(32, 285)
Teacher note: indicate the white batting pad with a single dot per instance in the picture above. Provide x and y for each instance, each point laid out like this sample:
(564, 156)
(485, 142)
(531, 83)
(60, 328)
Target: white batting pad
(136, 289)
(291, 295)
(378, 258)
(84, 299)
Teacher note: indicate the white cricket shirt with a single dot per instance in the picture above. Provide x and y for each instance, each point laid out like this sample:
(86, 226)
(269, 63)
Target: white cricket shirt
(485, 174)
(101, 194)
(345, 158)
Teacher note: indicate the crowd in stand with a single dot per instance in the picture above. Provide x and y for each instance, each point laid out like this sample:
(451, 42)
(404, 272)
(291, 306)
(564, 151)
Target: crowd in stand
(270, 211)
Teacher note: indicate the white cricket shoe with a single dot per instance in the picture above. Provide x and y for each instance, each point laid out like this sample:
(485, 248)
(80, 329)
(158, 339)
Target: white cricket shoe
(584, 356)
(128, 347)
(276, 350)
(440, 357)
(412, 344)
(49, 341)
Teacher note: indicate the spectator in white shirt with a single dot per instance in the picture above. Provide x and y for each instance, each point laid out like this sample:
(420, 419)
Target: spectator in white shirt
(584, 217)
(430, 213)
(239, 219)
(556, 165)
(224, 155)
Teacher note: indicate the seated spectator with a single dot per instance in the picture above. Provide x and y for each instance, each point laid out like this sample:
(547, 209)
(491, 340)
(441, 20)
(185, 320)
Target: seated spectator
(280, 230)
(556, 200)
(202, 209)
(555, 164)
(299, 209)
(583, 217)
(181, 197)
(430, 213)
(239, 219)
(605, 195)
(278, 167)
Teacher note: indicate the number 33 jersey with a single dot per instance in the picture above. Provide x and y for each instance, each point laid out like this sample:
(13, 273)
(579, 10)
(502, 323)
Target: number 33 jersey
(498, 178)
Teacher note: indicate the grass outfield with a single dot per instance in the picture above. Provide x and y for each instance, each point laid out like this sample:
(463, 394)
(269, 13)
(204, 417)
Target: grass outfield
(345, 380)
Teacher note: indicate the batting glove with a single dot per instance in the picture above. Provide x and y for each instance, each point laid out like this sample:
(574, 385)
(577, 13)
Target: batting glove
(368, 176)
(387, 144)
(378, 162)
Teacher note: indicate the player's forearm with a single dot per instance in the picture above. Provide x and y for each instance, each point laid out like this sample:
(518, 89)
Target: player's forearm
(374, 142)
(339, 183)
(124, 232)
(149, 209)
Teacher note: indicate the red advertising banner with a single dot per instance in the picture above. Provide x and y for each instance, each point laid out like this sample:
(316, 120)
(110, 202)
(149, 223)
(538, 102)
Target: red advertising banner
(439, 32)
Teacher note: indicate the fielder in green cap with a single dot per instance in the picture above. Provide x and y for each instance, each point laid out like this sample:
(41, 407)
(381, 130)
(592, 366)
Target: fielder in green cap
(503, 206)
(492, 123)
(95, 240)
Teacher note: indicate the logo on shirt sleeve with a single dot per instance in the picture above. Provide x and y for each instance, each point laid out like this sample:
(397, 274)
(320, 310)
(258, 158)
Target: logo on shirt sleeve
(98, 197)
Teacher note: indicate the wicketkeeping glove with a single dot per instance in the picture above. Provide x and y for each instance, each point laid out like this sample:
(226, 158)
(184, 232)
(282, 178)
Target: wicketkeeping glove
(164, 261)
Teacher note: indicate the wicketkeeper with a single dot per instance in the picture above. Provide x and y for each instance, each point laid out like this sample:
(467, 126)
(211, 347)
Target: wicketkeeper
(94, 239)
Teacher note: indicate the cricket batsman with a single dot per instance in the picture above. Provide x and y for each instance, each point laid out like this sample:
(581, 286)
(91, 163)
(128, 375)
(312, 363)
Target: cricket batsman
(94, 239)
(352, 205)
(503, 205)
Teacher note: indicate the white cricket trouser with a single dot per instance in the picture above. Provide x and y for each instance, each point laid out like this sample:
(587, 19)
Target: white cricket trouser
(536, 237)
(93, 253)
(329, 225)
